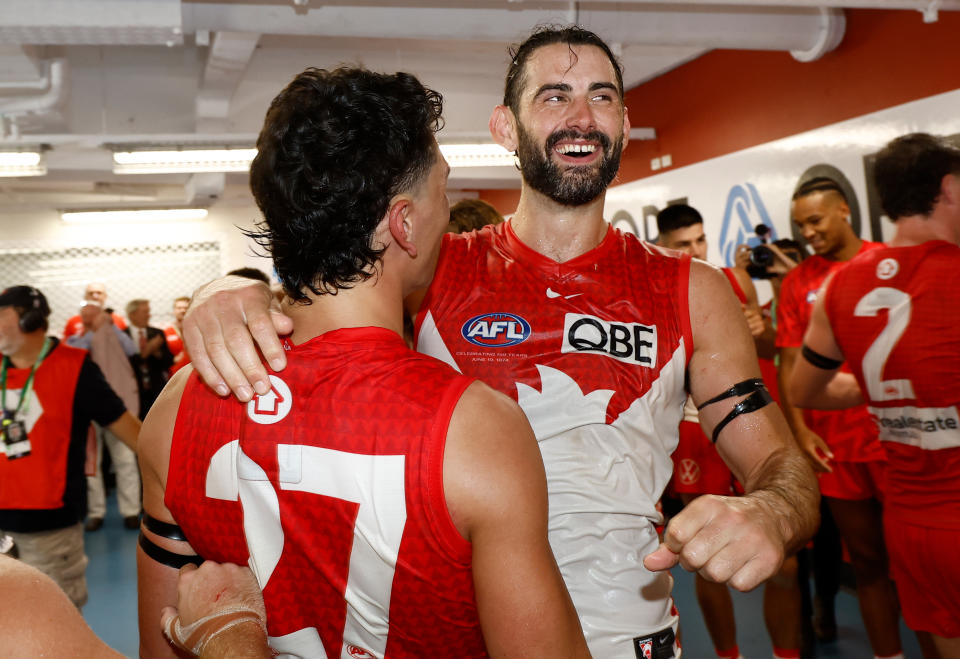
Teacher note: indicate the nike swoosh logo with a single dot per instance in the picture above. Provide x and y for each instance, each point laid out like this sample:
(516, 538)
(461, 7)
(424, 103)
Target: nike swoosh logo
(553, 294)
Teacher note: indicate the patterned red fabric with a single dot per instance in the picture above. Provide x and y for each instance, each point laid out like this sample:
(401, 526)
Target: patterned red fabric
(896, 317)
(622, 280)
(341, 484)
(851, 434)
(595, 351)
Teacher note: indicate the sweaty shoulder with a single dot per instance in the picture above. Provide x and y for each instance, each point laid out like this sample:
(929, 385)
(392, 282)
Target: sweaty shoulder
(491, 461)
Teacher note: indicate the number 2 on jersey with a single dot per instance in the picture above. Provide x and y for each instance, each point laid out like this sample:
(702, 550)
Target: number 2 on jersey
(875, 358)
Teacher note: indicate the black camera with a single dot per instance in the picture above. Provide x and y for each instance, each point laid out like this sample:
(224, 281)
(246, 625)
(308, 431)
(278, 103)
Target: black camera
(761, 256)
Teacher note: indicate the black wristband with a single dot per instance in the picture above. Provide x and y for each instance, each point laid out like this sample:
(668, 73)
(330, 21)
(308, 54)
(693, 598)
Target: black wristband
(163, 529)
(165, 557)
(758, 399)
(739, 389)
(820, 361)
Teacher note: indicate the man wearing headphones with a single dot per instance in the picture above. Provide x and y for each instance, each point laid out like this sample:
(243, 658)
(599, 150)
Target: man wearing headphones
(50, 392)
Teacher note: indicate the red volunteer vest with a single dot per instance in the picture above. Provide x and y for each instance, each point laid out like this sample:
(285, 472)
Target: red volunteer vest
(38, 480)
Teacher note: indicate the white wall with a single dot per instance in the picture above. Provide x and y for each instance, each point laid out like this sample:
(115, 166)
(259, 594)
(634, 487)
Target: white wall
(46, 230)
(736, 192)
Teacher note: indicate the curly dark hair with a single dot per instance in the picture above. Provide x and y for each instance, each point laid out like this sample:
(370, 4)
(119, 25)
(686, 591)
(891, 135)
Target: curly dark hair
(334, 148)
(546, 35)
(909, 170)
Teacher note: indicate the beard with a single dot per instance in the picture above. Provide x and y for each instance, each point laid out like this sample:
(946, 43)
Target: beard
(574, 185)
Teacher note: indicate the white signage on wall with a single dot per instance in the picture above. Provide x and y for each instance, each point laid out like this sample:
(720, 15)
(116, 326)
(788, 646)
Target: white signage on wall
(738, 191)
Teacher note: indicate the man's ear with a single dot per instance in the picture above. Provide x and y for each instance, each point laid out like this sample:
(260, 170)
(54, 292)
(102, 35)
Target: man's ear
(503, 127)
(401, 228)
(949, 190)
(844, 209)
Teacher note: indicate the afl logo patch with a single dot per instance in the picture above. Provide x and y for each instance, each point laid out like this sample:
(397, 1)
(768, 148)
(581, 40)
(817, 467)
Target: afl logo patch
(887, 269)
(496, 330)
(273, 406)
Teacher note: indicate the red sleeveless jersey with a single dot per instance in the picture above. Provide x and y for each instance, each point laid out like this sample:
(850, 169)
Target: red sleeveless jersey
(595, 351)
(895, 313)
(737, 290)
(850, 433)
(334, 481)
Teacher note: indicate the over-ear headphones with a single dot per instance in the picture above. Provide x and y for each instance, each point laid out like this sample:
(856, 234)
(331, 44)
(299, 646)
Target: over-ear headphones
(36, 314)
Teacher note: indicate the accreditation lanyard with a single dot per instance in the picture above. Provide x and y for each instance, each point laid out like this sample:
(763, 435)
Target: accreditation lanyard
(25, 392)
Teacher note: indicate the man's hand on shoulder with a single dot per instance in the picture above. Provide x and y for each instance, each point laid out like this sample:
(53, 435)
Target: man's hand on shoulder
(226, 322)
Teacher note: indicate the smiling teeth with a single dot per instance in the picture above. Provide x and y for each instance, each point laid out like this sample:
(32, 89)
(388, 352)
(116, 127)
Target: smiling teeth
(576, 148)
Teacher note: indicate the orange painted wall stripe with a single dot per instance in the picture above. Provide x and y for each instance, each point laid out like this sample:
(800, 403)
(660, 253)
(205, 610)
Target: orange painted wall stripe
(728, 100)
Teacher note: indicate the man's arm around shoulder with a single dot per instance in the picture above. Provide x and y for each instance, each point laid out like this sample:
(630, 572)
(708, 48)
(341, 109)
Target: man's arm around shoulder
(497, 496)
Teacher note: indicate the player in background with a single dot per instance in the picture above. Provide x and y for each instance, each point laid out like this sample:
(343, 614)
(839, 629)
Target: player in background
(698, 468)
(387, 504)
(841, 445)
(893, 315)
(824, 559)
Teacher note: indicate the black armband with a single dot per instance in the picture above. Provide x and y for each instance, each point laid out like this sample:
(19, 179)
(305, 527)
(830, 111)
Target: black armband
(165, 557)
(759, 397)
(820, 361)
(163, 529)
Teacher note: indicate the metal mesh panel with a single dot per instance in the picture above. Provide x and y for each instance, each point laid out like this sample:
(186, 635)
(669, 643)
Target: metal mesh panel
(158, 273)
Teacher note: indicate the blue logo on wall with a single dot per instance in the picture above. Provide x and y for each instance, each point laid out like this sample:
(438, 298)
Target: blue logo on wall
(744, 211)
(496, 330)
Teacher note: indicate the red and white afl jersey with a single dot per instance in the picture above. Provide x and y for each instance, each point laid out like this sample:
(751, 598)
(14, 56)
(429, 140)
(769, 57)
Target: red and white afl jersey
(851, 433)
(895, 314)
(594, 350)
(332, 486)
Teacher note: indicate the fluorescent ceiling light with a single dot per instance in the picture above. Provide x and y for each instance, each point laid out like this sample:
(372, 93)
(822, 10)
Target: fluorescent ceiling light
(151, 215)
(476, 155)
(22, 163)
(182, 161)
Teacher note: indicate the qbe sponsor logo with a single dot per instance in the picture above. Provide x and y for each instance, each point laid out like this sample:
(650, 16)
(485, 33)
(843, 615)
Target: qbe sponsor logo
(633, 343)
(496, 330)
